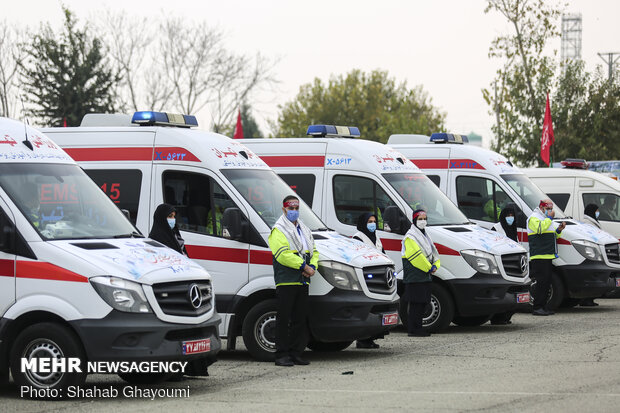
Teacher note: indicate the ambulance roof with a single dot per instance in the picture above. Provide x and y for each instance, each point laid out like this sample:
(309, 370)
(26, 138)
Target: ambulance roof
(571, 173)
(13, 149)
(331, 153)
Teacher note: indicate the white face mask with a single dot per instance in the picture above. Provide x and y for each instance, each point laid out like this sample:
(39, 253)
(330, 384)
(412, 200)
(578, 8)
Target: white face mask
(171, 222)
(421, 223)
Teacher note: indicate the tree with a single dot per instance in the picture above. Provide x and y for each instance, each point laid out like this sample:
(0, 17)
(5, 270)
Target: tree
(66, 75)
(524, 79)
(12, 54)
(373, 101)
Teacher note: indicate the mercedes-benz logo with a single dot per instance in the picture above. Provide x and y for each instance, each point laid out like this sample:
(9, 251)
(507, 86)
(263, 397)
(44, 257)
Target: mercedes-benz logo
(390, 280)
(523, 264)
(195, 297)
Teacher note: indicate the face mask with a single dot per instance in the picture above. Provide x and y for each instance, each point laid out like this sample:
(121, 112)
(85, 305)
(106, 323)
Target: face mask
(510, 220)
(292, 215)
(372, 226)
(421, 223)
(171, 221)
(547, 212)
(596, 214)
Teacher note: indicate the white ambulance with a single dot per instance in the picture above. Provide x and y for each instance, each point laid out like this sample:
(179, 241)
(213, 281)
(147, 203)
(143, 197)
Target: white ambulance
(482, 272)
(572, 188)
(481, 182)
(154, 157)
(78, 281)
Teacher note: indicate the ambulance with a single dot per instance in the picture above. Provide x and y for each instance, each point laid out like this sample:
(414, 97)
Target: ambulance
(482, 182)
(77, 280)
(573, 187)
(227, 200)
(482, 272)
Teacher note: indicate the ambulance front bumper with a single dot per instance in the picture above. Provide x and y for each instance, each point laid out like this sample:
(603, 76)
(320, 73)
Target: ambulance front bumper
(349, 315)
(589, 279)
(485, 294)
(143, 337)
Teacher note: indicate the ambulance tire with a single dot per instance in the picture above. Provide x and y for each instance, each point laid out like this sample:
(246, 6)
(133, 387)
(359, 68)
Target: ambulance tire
(259, 330)
(472, 321)
(439, 313)
(320, 346)
(144, 378)
(556, 292)
(50, 340)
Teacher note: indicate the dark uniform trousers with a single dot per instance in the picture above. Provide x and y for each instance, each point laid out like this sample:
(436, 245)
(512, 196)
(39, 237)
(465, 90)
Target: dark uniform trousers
(540, 271)
(291, 331)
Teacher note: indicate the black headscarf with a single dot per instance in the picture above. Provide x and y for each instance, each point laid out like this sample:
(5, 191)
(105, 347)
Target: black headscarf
(362, 220)
(162, 232)
(414, 222)
(591, 211)
(510, 230)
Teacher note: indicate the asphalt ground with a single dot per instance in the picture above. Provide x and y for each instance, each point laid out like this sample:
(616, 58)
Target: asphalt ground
(568, 362)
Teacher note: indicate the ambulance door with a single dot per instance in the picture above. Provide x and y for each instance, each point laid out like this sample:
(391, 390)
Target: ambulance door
(7, 258)
(348, 195)
(608, 203)
(307, 184)
(200, 199)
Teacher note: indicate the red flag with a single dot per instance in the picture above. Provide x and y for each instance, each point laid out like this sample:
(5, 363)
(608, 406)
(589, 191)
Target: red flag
(64, 122)
(547, 134)
(239, 127)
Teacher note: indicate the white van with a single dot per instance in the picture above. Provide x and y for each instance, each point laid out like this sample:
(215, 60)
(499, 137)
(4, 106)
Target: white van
(154, 157)
(78, 281)
(572, 189)
(481, 182)
(482, 272)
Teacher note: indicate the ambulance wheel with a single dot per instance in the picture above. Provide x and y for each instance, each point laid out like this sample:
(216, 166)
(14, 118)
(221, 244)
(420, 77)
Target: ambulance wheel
(145, 378)
(472, 321)
(438, 314)
(556, 292)
(47, 340)
(259, 330)
(321, 346)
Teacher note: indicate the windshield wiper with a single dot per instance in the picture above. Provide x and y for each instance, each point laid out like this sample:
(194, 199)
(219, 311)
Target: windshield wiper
(323, 229)
(132, 235)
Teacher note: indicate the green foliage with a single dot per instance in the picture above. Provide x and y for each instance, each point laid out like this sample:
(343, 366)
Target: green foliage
(66, 75)
(371, 101)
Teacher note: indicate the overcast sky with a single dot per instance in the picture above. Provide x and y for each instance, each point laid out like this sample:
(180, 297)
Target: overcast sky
(440, 44)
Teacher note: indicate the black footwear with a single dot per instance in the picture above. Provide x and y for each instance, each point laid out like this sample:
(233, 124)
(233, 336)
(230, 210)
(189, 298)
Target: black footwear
(542, 312)
(366, 344)
(588, 302)
(299, 361)
(501, 322)
(422, 333)
(285, 361)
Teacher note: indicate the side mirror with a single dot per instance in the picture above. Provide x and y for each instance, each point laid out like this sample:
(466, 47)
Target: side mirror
(394, 220)
(126, 213)
(235, 225)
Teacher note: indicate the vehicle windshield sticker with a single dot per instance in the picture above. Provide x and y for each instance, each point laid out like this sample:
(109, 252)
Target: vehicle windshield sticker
(597, 235)
(488, 239)
(349, 250)
(139, 258)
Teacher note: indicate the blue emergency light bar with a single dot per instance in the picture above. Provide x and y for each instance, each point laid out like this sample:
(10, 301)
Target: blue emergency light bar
(150, 118)
(448, 138)
(333, 131)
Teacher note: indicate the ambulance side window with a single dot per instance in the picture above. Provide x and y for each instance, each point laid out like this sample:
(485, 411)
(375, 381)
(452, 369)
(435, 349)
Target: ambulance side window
(436, 179)
(561, 200)
(199, 200)
(608, 205)
(354, 195)
(480, 198)
(303, 184)
(121, 185)
(7, 234)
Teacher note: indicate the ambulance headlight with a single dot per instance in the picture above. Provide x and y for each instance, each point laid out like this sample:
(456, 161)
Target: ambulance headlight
(588, 249)
(120, 294)
(339, 275)
(481, 261)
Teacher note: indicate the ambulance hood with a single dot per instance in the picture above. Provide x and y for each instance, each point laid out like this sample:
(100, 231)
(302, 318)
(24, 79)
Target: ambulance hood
(131, 259)
(335, 247)
(474, 237)
(576, 230)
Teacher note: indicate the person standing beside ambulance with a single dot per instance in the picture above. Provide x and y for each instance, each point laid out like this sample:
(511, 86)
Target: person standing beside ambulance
(420, 262)
(295, 259)
(542, 236)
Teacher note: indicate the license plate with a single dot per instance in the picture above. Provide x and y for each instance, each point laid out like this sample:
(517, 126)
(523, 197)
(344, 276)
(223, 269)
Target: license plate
(523, 298)
(197, 346)
(390, 319)
(617, 282)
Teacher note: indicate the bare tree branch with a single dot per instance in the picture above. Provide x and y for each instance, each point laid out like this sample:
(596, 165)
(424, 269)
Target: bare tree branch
(12, 54)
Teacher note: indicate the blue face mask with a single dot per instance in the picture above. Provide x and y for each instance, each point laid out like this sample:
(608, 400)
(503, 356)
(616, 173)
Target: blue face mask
(510, 220)
(372, 226)
(172, 222)
(596, 214)
(292, 215)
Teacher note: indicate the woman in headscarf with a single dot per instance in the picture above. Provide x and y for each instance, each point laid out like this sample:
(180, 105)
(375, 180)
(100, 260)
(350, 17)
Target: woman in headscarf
(507, 224)
(165, 230)
(366, 233)
(420, 262)
(591, 214)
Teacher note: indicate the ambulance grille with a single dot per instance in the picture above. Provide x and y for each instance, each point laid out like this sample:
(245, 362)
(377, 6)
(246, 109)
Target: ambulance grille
(613, 253)
(515, 265)
(175, 298)
(380, 279)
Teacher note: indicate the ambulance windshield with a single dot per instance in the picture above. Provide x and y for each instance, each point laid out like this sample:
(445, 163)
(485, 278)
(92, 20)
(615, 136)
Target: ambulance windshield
(421, 193)
(529, 192)
(62, 202)
(264, 191)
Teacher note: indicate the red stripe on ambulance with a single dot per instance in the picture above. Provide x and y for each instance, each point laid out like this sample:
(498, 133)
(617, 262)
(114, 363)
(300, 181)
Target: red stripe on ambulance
(131, 154)
(238, 255)
(293, 161)
(39, 270)
(447, 164)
